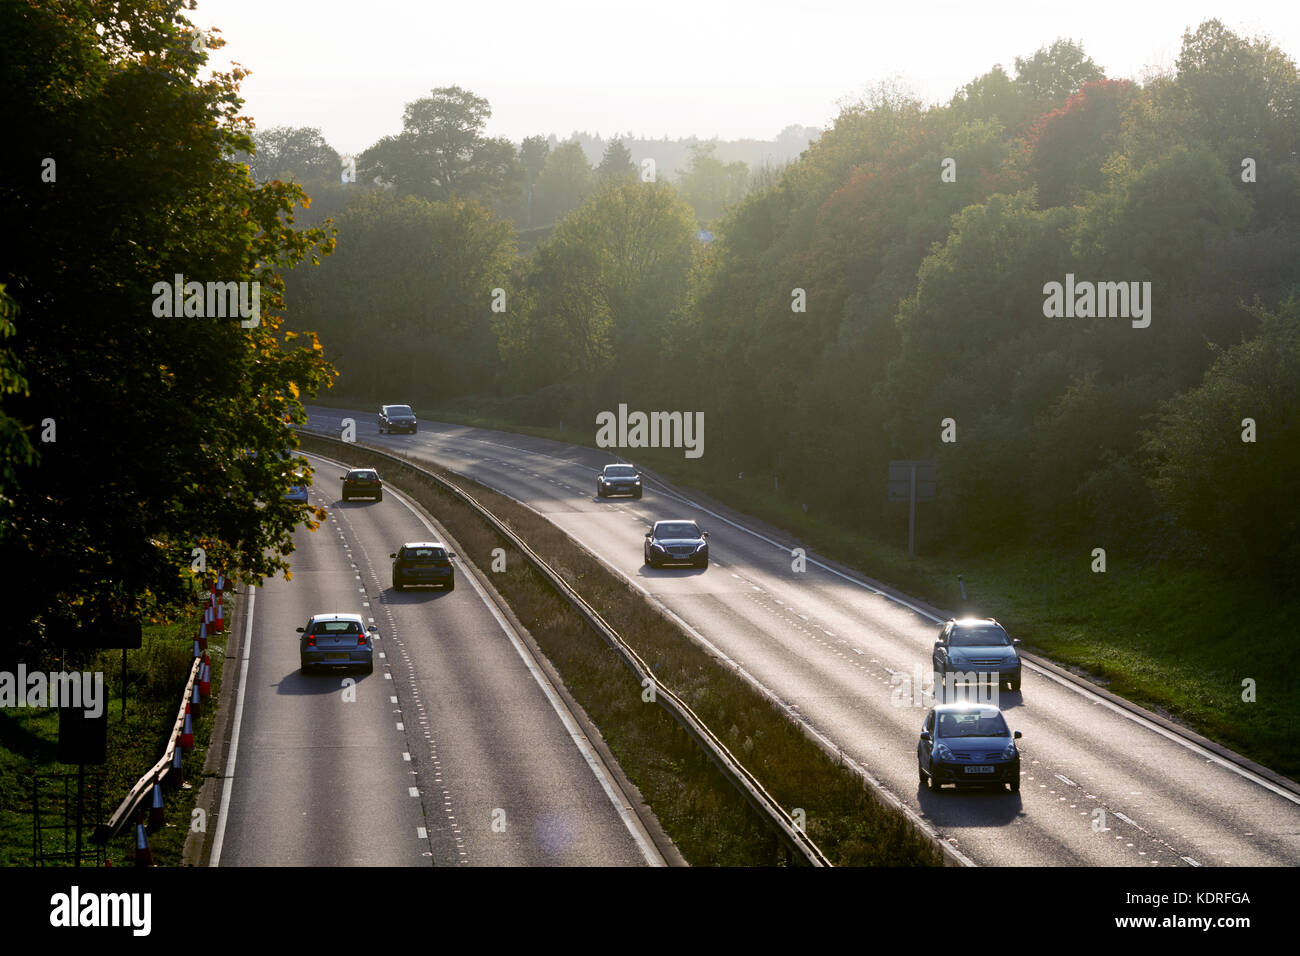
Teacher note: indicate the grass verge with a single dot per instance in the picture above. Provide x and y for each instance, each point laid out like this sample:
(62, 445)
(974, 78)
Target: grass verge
(156, 675)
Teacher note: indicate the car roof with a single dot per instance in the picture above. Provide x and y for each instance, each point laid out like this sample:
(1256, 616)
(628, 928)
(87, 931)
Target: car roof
(975, 622)
(963, 708)
(334, 616)
(423, 544)
(620, 464)
(361, 468)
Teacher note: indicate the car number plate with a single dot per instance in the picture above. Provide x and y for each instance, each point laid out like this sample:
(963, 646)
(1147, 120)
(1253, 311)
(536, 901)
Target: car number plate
(343, 657)
(979, 769)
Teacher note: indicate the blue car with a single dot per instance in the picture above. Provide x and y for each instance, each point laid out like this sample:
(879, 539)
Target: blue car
(336, 640)
(968, 745)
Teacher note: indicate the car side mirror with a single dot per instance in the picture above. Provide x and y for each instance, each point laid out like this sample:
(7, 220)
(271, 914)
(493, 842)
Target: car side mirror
(451, 554)
(649, 534)
(938, 644)
(1016, 735)
(393, 555)
(373, 628)
(1015, 640)
(925, 735)
(704, 534)
(302, 630)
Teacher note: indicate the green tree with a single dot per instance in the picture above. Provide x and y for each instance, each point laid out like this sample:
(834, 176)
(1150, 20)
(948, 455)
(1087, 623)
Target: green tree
(294, 154)
(1237, 497)
(710, 185)
(565, 181)
(616, 163)
(442, 152)
(155, 419)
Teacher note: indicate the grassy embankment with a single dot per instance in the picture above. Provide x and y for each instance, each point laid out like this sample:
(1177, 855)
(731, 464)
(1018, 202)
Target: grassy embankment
(156, 675)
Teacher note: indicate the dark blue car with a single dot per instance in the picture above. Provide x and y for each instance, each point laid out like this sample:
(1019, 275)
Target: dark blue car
(968, 745)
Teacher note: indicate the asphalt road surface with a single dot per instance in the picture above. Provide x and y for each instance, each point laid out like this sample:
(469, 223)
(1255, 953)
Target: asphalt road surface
(455, 751)
(1100, 786)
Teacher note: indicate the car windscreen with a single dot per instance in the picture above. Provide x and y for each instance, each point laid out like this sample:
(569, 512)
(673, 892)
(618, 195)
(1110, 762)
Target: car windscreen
(362, 476)
(678, 529)
(424, 554)
(620, 471)
(974, 723)
(977, 637)
(336, 627)
(400, 410)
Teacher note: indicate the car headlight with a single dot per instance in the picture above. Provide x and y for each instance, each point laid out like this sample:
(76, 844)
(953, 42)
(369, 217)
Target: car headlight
(701, 546)
(656, 547)
(941, 752)
(638, 481)
(1010, 752)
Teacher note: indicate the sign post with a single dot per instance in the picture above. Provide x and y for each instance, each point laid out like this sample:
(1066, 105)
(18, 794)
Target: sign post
(912, 481)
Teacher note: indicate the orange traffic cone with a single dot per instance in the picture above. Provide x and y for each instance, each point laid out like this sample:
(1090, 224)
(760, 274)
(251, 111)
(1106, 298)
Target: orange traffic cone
(205, 678)
(219, 615)
(187, 735)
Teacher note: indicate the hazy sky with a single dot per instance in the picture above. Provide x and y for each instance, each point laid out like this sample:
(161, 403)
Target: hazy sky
(666, 67)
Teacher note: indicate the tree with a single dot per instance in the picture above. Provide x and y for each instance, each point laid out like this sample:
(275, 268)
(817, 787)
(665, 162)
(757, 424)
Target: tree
(158, 434)
(442, 153)
(532, 156)
(1237, 497)
(565, 181)
(294, 154)
(616, 163)
(1055, 73)
(710, 185)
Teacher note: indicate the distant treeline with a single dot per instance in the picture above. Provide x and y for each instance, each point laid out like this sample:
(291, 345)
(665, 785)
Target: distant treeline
(535, 183)
(888, 295)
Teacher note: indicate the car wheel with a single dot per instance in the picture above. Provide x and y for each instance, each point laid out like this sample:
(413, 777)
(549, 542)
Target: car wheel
(935, 785)
(397, 585)
(600, 492)
(451, 585)
(304, 666)
(379, 497)
(1013, 684)
(702, 564)
(1015, 784)
(921, 773)
(938, 687)
(637, 494)
(369, 668)
(414, 429)
(346, 498)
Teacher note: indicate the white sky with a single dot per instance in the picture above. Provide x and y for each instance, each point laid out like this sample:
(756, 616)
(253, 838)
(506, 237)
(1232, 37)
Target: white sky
(667, 67)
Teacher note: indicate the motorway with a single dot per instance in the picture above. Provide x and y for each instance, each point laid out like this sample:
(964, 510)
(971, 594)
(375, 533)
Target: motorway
(1101, 786)
(456, 750)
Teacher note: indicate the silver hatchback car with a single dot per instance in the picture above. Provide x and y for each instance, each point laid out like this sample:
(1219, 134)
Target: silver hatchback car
(336, 640)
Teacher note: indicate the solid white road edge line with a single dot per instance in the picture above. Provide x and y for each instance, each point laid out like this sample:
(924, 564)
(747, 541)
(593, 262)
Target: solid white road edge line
(228, 784)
